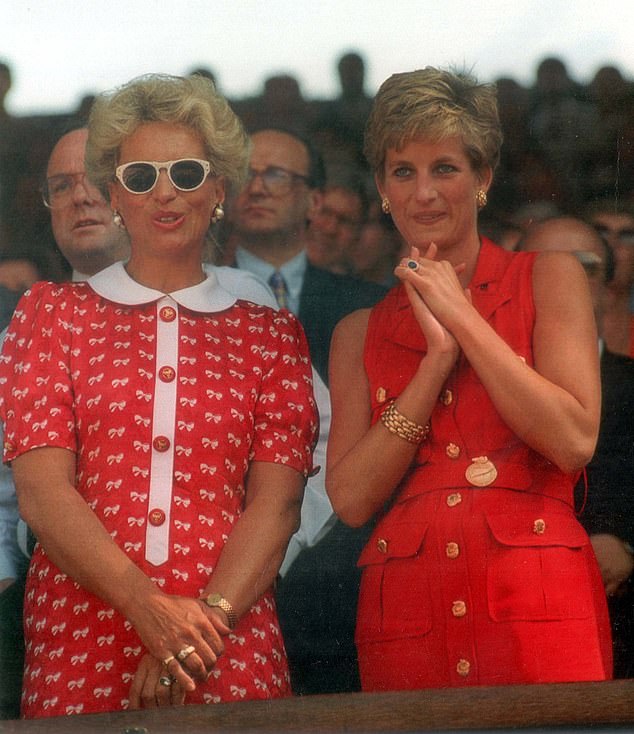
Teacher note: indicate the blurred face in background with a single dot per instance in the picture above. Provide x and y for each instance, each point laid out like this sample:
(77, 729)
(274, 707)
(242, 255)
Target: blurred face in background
(276, 199)
(618, 230)
(334, 230)
(81, 218)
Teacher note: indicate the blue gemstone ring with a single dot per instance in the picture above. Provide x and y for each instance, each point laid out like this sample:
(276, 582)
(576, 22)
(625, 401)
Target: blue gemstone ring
(412, 264)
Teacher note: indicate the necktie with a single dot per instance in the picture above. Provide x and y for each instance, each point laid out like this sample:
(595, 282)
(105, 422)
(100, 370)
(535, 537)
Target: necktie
(280, 291)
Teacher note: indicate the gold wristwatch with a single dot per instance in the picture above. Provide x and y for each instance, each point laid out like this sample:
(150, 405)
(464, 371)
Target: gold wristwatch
(217, 600)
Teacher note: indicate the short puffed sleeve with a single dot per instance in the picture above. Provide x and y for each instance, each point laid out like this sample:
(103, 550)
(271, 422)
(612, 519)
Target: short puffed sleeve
(36, 391)
(286, 420)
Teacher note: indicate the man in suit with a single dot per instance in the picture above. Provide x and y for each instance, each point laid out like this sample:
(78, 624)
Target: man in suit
(268, 220)
(608, 501)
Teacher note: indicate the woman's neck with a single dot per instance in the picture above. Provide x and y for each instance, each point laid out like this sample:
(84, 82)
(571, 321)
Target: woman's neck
(165, 276)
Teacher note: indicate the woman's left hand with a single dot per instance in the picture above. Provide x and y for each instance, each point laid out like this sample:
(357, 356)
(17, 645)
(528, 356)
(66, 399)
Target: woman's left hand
(154, 687)
(436, 282)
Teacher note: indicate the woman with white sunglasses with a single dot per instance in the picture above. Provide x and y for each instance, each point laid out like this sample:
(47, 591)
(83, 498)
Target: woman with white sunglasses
(160, 433)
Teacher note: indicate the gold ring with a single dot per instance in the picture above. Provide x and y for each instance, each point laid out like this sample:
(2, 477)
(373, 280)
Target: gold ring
(168, 660)
(185, 653)
(412, 264)
(165, 680)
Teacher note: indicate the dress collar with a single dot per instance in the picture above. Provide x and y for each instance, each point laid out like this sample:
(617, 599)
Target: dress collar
(116, 285)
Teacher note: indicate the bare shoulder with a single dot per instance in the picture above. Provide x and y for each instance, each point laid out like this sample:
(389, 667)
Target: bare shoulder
(353, 326)
(346, 349)
(557, 267)
(559, 278)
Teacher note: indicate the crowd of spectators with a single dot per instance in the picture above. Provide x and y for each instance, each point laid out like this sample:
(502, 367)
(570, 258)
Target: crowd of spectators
(565, 144)
(567, 150)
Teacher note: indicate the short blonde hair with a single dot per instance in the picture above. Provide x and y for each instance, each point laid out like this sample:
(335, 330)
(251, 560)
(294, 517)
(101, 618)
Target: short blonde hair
(190, 101)
(433, 104)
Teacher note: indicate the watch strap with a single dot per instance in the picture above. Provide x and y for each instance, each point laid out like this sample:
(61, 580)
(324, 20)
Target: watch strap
(217, 600)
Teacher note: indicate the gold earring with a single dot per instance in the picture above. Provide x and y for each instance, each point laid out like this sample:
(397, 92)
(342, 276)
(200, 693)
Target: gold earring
(218, 213)
(481, 198)
(385, 205)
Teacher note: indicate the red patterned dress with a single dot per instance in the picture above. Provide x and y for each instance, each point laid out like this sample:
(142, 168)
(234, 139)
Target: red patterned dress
(165, 399)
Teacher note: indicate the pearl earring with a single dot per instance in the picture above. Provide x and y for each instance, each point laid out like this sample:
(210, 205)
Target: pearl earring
(218, 213)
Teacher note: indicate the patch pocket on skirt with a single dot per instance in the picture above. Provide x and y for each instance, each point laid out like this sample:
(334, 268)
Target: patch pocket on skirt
(538, 568)
(394, 599)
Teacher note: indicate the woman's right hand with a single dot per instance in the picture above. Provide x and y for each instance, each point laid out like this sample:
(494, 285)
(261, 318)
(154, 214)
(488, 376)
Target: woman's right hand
(169, 625)
(438, 338)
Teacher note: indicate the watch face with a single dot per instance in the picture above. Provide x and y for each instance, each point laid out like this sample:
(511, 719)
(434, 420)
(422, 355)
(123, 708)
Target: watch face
(214, 599)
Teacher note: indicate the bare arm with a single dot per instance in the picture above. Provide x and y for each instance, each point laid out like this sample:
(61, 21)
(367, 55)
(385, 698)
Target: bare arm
(255, 549)
(555, 407)
(78, 543)
(365, 464)
(247, 566)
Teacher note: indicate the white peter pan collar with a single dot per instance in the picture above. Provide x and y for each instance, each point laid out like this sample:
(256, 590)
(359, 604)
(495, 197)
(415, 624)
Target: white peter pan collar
(116, 285)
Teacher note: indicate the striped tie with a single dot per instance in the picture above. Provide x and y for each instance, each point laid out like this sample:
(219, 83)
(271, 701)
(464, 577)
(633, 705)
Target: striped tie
(280, 291)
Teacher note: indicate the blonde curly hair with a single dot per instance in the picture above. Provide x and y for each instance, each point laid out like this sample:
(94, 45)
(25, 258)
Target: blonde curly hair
(190, 101)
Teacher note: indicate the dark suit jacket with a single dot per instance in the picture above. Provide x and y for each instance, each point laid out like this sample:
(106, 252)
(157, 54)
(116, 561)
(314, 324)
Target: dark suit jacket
(317, 599)
(8, 302)
(324, 300)
(609, 507)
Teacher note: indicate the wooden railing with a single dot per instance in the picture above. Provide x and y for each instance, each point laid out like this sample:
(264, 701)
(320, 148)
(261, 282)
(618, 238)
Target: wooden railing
(585, 705)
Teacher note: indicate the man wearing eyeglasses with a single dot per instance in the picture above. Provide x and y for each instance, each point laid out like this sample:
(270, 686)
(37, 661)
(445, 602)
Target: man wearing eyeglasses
(81, 218)
(87, 236)
(608, 510)
(615, 223)
(269, 220)
(334, 232)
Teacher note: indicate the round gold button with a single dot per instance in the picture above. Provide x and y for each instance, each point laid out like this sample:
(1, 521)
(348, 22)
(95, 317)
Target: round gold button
(167, 313)
(156, 517)
(382, 545)
(539, 527)
(452, 550)
(452, 450)
(481, 472)
(381, 395)
(463, 667)
(446, 397)
(167, 374)
(161, 443)
(455, 498)
(459, 608)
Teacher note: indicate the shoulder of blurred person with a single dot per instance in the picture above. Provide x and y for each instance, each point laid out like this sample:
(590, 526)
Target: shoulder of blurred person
(8, 301)
(325, 299)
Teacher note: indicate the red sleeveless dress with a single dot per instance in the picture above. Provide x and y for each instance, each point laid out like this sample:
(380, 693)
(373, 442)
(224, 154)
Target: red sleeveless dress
(479, 573)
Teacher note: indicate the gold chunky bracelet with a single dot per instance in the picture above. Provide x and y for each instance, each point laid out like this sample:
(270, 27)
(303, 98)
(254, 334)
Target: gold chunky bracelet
(402, 427)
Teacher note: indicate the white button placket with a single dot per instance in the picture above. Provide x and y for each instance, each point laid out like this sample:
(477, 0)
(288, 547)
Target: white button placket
(163, 425)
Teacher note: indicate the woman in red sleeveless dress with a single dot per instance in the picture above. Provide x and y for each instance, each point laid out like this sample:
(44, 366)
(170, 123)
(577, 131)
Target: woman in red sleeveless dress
(464, 407)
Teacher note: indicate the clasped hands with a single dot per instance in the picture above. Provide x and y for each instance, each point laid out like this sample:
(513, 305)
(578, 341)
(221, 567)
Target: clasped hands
(435, 294)
(194, 646)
